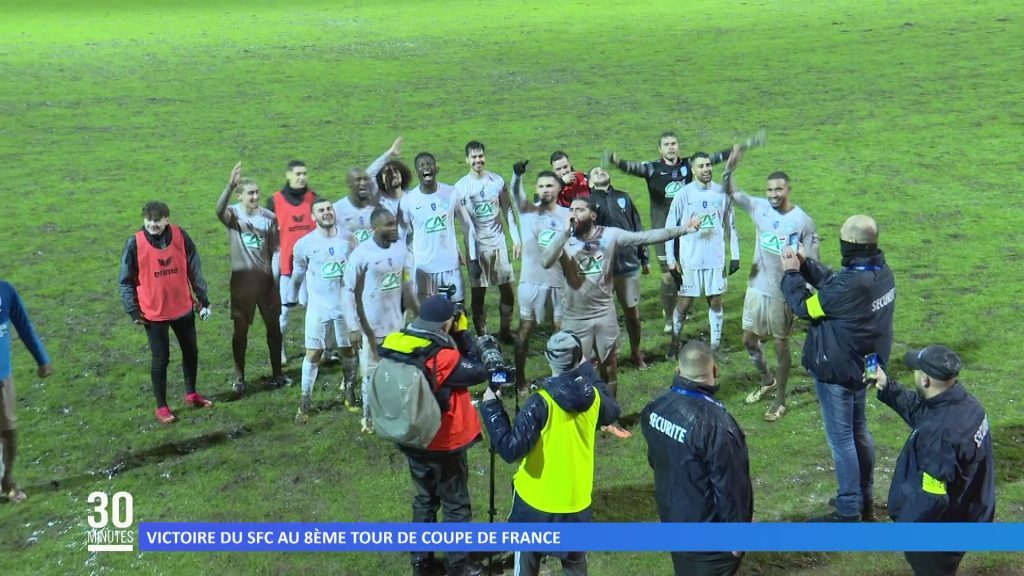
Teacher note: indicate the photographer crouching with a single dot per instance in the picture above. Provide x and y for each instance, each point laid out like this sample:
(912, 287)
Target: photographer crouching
(554, 435)
(438, 339)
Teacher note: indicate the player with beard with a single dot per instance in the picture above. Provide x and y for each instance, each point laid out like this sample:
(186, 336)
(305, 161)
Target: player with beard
(540, 288)
(574, 183)
(587, 253)
(377, 276)
(665, 177)
(427, 214)
(765, 313)
(293, 206)
(702, 256)
(485, 197)
(252, 237)
(353, 211)
(320, 259)
(389, 178)
(616, 208)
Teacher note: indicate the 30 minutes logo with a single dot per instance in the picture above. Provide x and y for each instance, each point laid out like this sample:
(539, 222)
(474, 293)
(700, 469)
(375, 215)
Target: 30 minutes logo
(117, 511)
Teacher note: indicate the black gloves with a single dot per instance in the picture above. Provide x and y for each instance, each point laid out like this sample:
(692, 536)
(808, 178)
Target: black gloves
(734, 266)
(519, 168)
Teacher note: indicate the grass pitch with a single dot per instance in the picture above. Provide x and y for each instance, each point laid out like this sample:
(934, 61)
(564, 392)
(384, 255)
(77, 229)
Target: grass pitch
(908, 111)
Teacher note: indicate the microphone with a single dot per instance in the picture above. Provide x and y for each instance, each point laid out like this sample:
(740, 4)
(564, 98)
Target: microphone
(572, 226)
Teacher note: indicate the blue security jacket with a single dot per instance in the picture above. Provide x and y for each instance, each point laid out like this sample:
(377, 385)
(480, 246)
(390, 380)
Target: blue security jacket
(12, 312)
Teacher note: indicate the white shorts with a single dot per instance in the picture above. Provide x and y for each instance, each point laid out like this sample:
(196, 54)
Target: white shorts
(598, 335)
(766, 316)
(703, 282)
(535, 301)
(318, 331)
(427, 283)
(495, 269)
(627, 289)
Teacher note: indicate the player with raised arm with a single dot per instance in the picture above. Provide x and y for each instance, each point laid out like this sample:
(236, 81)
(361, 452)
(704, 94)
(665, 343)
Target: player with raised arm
(389, 178)
(293, 205)
(377, 276)
(540, 288)
(702, 255)
(586, 253)
(320, 259)
(665, 177)
(252, 239)
(427, 214)
(485, 198)
(778, 223)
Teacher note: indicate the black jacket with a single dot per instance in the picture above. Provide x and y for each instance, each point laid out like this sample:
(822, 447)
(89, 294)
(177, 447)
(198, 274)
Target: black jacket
(615, 208)
(573, 391)
(699, 456)
(128, 278)
(851, 316)
(945, 471)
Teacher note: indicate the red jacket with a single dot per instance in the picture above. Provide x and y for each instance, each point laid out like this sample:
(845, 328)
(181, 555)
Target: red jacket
(579, 188)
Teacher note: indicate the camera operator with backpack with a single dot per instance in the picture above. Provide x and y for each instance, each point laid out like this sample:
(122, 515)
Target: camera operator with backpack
(419, 398)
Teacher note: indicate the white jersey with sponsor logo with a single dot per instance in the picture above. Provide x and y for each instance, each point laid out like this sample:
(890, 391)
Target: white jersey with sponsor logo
(588, 279)
(431, 220)
(480, 197)
(538, 230)
(706, 248)
(355, 220)
(773, 231)
(382, 271)
(321, 260)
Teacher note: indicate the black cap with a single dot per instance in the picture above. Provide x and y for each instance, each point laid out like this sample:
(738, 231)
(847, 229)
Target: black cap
(434, 312)
(936, 361)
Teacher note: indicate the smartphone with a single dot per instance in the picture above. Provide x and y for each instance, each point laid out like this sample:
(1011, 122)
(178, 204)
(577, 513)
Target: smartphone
(794, 240)
(871, 368)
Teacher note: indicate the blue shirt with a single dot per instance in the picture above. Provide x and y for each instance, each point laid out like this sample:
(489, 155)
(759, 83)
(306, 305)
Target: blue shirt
(12, 312)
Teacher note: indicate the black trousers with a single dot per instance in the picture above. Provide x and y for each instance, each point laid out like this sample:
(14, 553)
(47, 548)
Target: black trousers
(934, 563)
(160, 345)
(528, 563)
(705, 563)
(441, 481)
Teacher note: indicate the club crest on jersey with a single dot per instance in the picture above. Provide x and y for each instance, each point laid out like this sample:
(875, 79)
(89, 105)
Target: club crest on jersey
(433, 206)
(775, 225)
(704, 204)
(673, 188)
(330, 250)
(445, 204)
(252, 241)
(546, 237)
(437, 223)
(390, 281)
(363, 234)
(772, 242)
(590, 265)
(331, 270)
(621, 202)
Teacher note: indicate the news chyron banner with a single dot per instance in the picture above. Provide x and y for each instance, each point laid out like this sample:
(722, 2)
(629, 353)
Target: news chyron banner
(113, 528)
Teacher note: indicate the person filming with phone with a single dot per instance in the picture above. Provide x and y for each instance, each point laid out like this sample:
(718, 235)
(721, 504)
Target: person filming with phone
(851, 316)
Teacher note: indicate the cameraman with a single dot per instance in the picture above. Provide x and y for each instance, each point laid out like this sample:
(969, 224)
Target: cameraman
(554, 435)
(441, 472)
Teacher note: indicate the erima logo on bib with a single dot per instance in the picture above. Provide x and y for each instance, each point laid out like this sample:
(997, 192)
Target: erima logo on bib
(546, 237)
(363, 234)
(390, 281)
(436, 224)
(590, 265)
(332, 270)
(673, 188)
(771, 242)
(252, 241)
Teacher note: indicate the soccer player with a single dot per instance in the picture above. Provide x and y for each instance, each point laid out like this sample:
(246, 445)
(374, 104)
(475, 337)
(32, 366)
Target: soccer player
(485, 198)
(377, 276)
(586, 253)
(574, 184)
(13, 312)
(389, 178)
(702, 256)
(616, 208)
(160, 269)
(665, 177)
(540, 288)
(252, 239)
(353, 211)
(320, 259)
(427, 214)
(293, 205)
(778, 222)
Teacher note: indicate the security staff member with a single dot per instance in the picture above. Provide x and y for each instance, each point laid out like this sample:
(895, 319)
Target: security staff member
(945, 471)
(851, 316)
(699, 456)
(441, 472)
(554, 436)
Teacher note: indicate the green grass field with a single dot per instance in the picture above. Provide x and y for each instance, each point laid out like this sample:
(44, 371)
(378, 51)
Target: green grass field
(908, 111)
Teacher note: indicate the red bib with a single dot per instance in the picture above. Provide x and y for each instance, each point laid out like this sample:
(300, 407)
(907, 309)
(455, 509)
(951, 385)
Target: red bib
(163, 290)
(294, 222)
